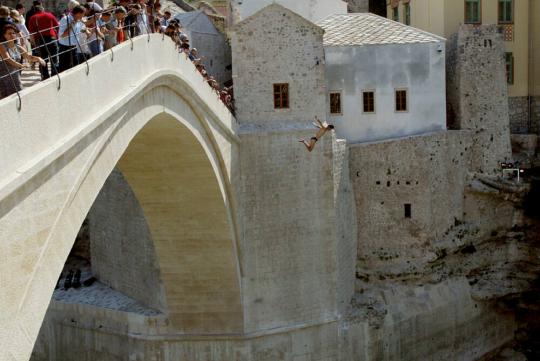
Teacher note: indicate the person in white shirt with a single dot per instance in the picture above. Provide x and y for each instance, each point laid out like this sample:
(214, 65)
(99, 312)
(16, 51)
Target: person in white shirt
(70, 28)
(96, 36)
(166, 18)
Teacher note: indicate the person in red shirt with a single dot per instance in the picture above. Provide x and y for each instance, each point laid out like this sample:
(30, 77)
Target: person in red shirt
(44, 26)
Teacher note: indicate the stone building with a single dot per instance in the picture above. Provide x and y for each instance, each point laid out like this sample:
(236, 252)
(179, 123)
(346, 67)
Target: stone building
(210, 42)
(384, 79)
(312, 10)
(269, 91)
(519, 22)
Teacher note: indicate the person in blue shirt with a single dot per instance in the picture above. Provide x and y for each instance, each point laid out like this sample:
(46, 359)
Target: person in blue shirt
(71, 26)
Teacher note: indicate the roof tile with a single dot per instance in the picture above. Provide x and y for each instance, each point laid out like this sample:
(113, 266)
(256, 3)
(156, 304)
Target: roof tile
(370, 29)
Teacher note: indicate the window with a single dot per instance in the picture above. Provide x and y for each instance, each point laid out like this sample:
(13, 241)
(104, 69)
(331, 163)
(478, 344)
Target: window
(368, 98)
(407, 13)
(408, 210)
(281, 96)
(335, 103)
(509, 68)
(473, 12)
(395, 14)
(506, 11)
(401, 100)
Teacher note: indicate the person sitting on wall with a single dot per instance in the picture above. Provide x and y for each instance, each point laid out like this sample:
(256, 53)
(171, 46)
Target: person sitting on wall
(323, 129)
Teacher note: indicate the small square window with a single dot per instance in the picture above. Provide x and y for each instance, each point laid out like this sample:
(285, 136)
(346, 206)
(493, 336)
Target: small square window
(335, 103)
(408, 210)
(281, 96)
(473, 12)
(509, 68)
(401, 100)
(368, 98)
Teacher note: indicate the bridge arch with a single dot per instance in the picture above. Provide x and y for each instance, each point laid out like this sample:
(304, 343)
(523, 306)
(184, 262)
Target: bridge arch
(175, 143)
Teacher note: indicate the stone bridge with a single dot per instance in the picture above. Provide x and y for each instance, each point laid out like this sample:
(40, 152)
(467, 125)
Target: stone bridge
(236, 263)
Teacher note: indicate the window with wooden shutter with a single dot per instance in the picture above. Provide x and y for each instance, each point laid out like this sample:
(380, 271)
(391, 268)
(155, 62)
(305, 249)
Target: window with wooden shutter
(473, 12)
(335, 103)
(281, 96)
(506, 11)
(368, 98)
(401, 100)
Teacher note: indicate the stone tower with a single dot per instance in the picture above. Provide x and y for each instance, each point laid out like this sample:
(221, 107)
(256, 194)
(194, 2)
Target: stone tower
(292, 245)
(477, 94)
(278, 46)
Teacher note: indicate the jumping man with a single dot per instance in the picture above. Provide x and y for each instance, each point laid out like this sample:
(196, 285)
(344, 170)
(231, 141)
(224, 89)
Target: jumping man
(323, 128)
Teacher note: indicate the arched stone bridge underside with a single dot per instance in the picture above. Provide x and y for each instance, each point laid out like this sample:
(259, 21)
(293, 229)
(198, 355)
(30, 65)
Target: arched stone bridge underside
(156, 119)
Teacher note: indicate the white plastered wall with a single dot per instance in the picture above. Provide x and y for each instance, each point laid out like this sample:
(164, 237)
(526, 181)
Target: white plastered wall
(418, 68)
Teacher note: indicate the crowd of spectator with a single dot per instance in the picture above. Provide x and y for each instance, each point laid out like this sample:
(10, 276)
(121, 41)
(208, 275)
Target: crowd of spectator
(38, 37)
(173, 29)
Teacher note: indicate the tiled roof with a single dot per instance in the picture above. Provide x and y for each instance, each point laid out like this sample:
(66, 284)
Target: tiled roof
(370, 29)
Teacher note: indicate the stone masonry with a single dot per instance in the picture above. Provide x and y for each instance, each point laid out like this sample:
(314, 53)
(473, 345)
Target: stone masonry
(299, 44)
(425, 174)
(358, 6)
(535, 115)
(477, 94)
(285, 191)
(122, 249)
(519, 114)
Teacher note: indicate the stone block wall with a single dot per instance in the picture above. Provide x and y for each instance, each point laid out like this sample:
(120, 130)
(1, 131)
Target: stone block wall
(289, 248)
(477, 94)
(346, 228)
(85, 333)
(425, 172)
(122, 249)
(278, 46)
(518, 108)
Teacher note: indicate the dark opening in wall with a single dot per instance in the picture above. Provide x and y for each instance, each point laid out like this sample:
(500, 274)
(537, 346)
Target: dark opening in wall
(378, 7)
(408, 210)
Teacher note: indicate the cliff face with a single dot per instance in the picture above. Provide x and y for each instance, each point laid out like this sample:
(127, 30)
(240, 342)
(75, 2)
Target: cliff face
(448, 260)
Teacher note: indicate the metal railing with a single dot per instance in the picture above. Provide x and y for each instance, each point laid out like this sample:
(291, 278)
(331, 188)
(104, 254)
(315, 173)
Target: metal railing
(52, 58)
(43, 47)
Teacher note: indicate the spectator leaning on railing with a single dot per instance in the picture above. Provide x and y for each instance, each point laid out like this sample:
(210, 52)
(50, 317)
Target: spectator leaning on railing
(43, 25)
(12, 55)
(84, 32)
(69, 29)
